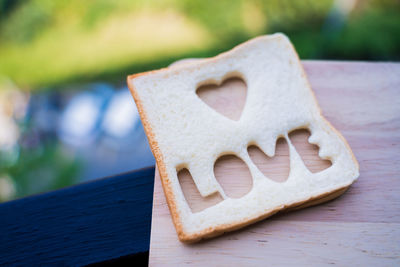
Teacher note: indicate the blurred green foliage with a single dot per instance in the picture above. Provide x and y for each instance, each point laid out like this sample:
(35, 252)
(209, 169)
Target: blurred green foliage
(38, 168)
(48, 43)
(35, 18)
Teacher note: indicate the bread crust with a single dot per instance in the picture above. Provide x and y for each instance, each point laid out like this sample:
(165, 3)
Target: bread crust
(209, 233)
(166, 183)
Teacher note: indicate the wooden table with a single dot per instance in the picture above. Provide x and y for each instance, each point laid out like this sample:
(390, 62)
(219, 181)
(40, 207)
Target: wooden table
(362, 227)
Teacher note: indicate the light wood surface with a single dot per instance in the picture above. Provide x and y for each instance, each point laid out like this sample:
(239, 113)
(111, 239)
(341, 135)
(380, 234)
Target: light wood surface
(362, 227)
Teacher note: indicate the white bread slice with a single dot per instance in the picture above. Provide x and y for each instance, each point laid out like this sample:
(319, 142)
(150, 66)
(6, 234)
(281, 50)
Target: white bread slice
(184, 132)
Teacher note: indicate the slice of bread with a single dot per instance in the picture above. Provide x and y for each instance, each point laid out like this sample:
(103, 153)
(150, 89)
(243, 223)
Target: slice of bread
(184, 132)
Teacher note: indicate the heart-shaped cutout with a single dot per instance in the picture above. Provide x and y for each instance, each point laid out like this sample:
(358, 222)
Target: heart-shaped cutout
(228, 98)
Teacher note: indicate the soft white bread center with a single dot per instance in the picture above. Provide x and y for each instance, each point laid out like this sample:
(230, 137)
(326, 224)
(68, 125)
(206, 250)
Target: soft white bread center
(191, 134)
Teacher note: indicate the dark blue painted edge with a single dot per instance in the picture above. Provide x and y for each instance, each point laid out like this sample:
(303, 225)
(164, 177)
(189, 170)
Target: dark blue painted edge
(88, 223)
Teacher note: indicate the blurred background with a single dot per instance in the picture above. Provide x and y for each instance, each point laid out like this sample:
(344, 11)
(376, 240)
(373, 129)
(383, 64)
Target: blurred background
(66, 115)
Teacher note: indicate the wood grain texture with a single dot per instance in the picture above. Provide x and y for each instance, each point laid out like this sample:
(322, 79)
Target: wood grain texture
(362, 227)
(89, 223)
